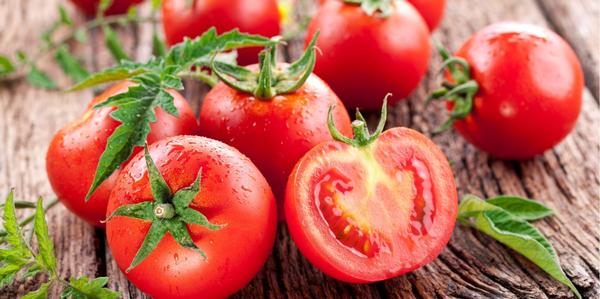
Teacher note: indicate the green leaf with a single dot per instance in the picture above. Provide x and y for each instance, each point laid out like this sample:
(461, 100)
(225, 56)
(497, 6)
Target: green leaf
(155, 234)
(37, 78)
(523, 208)
(86, 288)
(69, 64)
(123, 71)
(135, 112)
(113, 44)
(17, 254)
(46, 256)
(513, 232)
(159, 48)
(64, 16)
(6, 66)
(14, 236)
(81, 35)
(160, 190)
(103, 5)
(40, 293)
(142, 210)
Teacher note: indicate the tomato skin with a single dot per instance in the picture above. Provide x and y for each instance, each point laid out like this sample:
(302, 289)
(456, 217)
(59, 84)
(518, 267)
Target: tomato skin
(365, 57)
(391, 153)
(232, 192)
(273, 133)
(89, 7)
(530, 90)
(250, 16)
(432, 11)
(75, 150)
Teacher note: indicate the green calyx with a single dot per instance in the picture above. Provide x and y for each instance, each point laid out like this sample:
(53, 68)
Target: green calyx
(270, 80)
(460, 91)
(362, 137)
(384, 7)
(168, 213)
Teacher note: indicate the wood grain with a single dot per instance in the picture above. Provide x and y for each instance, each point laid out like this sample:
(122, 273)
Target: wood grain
(472, 266)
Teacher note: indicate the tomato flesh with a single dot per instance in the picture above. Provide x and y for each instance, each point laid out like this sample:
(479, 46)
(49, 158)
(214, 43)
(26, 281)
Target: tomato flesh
(372, 213)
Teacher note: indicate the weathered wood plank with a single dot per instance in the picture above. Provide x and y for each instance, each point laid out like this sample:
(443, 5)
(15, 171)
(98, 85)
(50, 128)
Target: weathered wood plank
(579, 23)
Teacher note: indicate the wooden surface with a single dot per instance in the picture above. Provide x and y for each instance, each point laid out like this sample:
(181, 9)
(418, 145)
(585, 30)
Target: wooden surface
(473, 265)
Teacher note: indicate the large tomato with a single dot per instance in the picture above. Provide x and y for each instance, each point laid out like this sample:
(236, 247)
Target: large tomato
(366, 56)
(530, 86)
(373, 210)
(232, 193)
(89, 7)
(274, 133)
(75, 150)
(249, 16)
(431, 10)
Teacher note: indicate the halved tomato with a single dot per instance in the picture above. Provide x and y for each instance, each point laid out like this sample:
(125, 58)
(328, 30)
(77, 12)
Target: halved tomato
(373, 207)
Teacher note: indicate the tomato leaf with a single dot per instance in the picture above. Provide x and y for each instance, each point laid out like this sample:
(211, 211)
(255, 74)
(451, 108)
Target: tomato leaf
(514, 232)
(159, 49)
(123, 71)
(69, 64)
(86, 288)
(45, 256)
(37, 78)
(65, 19)
(523, 208)
(6, 66)
(40, 293)
(113, 44)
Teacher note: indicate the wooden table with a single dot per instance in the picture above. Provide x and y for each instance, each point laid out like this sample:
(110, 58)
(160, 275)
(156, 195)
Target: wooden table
(473, 265)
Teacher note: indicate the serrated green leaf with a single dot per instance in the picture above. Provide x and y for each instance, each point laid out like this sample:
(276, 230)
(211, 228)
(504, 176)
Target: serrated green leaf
(85, 288)
(14, 236)
(6, 66)
(17, 254)
(64, 16)
(70, 65)
(135, 112)
(37, 78)
(142, 210)
(159, 48)
(45, 256)
(155, 234)
(40, 293)
(523, 208)
(120, 72)
(515, 233)
(113, 44)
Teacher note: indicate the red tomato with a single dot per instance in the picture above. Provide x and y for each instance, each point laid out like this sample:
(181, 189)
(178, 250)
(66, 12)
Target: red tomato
(276, 132)
(365, 57)
(250, 16)
(369, 213)
(232, 193)
(75, 150)
(89, 7)
(530, 88)
(431, 10)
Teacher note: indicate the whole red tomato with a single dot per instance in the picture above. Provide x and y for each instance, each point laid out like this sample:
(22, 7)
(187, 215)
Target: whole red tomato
(75, 150)
(431, 10)
(528, 91)
(249, 16)
(89, 7)
(374, 207)
(231, 193)
(366, 56)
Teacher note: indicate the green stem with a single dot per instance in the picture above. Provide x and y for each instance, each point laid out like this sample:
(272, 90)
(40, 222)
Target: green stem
(210, 80)
(264, 87)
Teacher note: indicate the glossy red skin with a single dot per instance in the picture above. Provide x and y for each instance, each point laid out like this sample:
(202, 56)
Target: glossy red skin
(232, 192)
(365, 57)
(75, 150)
(250, 16)
(530, 90)
(89, 7)
(432, 11)
(274, 133)
(385, 211)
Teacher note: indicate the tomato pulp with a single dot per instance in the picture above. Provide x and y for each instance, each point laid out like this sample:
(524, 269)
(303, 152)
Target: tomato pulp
(365, 214)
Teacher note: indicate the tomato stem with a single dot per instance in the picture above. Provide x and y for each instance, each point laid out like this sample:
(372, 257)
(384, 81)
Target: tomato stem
(385, 7)
(362, 137)
(164, 211)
